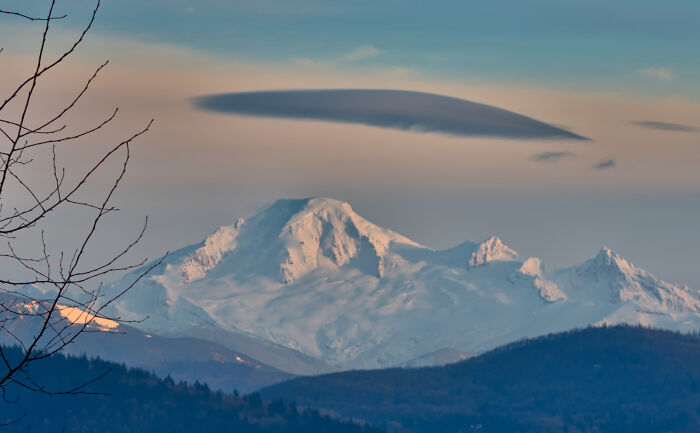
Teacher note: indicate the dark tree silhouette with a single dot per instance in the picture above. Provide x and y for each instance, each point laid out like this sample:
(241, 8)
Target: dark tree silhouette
(34, 187)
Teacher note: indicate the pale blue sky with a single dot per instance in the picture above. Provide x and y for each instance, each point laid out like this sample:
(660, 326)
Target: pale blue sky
(630, 45)
(616, 71)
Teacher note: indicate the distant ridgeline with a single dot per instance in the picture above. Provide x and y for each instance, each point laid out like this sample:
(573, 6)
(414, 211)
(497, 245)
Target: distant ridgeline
(608, 379)
(136, 401)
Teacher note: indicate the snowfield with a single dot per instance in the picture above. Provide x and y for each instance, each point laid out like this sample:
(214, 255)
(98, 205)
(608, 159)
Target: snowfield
(313, 276)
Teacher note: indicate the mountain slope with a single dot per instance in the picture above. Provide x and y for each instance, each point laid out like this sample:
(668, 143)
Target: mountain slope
(183, 358)
(313, 276)
(131, 400)
(605, 379)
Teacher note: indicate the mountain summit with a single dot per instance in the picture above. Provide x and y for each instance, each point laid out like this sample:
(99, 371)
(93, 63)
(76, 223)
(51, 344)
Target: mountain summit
(289, 240)
(492, 249)
(609, 275)
(313, 276)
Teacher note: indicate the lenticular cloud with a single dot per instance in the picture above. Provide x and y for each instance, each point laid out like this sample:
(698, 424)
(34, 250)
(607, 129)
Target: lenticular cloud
(396, 109)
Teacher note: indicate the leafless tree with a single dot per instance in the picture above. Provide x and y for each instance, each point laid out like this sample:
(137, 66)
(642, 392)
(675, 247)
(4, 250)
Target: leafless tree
(34, 187)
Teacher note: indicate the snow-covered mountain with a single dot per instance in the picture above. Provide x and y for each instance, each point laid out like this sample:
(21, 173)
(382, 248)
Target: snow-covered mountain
(313, 276)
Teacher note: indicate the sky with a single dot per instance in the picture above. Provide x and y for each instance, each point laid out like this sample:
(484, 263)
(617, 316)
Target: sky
(620, 73)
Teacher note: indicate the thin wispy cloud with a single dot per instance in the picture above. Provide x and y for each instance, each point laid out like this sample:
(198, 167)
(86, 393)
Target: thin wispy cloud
(659, 73)
(364, 52)
(665, 126)
(358, 54)
(605, 164)
(305, 62)
(551, 157)
(395, 109)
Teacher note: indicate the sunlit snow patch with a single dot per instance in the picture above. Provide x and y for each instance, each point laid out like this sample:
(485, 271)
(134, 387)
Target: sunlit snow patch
(81, 317)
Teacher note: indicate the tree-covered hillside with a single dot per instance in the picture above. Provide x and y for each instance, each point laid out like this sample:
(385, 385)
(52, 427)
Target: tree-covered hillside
(615, 379)
(131, 400)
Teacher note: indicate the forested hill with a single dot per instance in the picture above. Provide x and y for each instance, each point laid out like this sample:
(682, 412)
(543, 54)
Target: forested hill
(138, 401)
(615, 379)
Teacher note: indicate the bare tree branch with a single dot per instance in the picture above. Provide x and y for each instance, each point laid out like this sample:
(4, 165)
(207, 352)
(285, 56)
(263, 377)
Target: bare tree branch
(73, 299)
(50, 18)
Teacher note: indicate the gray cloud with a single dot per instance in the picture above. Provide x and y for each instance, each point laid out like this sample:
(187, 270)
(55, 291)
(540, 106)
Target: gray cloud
(551, 156)
(665, 126)
(605, 164)
(396, 109)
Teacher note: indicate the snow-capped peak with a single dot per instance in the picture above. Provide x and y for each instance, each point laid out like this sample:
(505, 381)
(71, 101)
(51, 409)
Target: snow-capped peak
(328, 233)
(288, 240)
(607, 262)
(322, 217)
(549, 290)
(607, 265)
(625, 282)
(492, 249)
